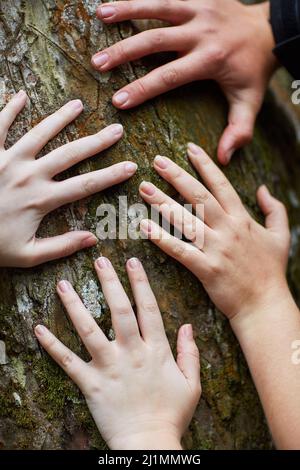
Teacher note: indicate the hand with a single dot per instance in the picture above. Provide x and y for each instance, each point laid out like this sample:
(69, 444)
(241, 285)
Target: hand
(28, 191)
(140, 398)
(225, 41)
(241, 264)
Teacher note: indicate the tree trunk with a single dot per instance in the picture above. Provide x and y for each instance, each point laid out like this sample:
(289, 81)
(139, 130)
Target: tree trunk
(46, 49)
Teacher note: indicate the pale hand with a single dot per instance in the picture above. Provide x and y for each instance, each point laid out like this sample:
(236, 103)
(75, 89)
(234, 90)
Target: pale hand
(225, 41)
(28, 191)
(139, 396)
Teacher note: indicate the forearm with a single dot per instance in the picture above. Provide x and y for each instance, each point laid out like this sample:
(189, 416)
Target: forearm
(266, 337)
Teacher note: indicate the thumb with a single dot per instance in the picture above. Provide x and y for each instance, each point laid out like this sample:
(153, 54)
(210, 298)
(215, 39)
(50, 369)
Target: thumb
(239, 131)
(48, 249)
(274, 210)
(188, 359)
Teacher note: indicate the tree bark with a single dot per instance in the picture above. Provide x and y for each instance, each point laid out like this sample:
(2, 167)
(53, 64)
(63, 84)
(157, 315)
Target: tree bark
(46, 47)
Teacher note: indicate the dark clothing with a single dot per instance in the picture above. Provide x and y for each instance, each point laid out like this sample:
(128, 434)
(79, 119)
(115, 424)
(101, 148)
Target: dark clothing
(285, 21)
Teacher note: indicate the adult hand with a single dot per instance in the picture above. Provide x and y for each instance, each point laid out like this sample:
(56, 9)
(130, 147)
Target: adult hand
(241, 264)
(139, 396)
(28, 191)
(215, 39)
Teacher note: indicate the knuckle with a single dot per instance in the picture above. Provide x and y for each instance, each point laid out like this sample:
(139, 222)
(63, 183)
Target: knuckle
(157, 38)
(199, 196)
(121, 52)
(88, 330)
(215, 267)
(149, 307)
(67, 359)
(179, 251)
(88, 186)
(93, 390)
(51, 343)
(177, 174)
(123, 309)
(170, 76)
(70, 246)
(141, 87)
(115, 171)
(38, 136)
(221, 184)
(216, 55)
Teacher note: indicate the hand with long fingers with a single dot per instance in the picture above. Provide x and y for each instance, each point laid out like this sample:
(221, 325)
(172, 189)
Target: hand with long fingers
(138, 395)
(242, 266)
(28, 191)
(226, 263)
(228, 42)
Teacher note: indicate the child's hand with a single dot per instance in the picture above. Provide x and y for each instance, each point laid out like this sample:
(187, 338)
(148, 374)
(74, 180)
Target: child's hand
(224, 41)
(28, 191)
(242, 264)
(139, 396)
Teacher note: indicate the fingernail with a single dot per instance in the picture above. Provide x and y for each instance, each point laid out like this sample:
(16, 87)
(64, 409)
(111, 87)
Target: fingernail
(89, 241)
(106, 11)
(147, 188)
(188, 331)
(20, 94)
(100, 60)
(145, 226)
(266, 190)
(131, 168)
(228, 155)
(103, 262)
(64, 286)
(116, 129)
(121, 98)
(134, 263)
(194, 148)
(75, 104)
(161, 162)
(40, 330)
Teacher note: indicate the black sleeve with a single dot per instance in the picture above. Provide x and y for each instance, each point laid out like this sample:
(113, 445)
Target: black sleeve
(285, 21)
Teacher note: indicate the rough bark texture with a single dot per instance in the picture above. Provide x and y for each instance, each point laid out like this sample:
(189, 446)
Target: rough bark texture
(46, 47)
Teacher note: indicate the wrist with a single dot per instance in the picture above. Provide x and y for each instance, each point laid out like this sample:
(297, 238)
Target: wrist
(264, 307)
(263, 11)
(152, 440)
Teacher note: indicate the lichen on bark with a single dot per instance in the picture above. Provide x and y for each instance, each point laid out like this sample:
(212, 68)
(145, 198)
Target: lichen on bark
(46, 47)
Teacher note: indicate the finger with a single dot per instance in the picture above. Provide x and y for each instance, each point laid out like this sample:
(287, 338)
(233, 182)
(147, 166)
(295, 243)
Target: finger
(188, 225)
(66, 359)
(215, 180)
(239, 132)
(149, 316)
(191, 189)
(123, 318)
(42, 250)
(33, 142)
(185, 253)
(188, 359)
(276, 214)
(9, 114)
(165, 78)
(92, 336)
(140, 45)
(70, 154)
(173, 11)
(85, 185)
